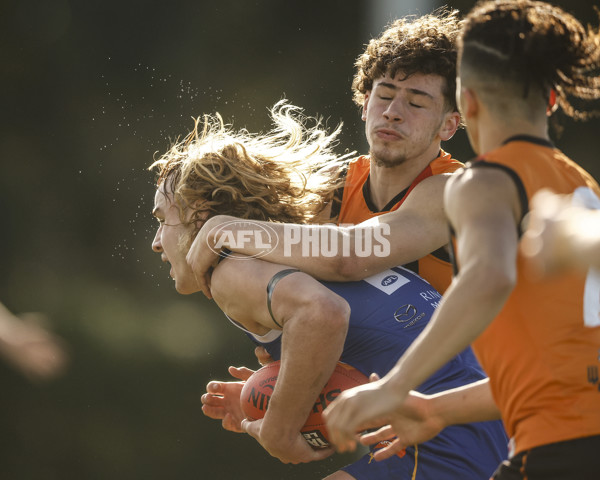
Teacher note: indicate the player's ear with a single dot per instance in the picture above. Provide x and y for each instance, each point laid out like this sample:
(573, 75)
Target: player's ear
(469, 102)
(364, 107)
(449, 126)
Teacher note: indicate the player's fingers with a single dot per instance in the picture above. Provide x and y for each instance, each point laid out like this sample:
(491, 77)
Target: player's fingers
(241, 373)
(214, 412)
(212, 400)
(251, 427)
(215, 387)
(230, 423)
(343, 439)
(384, 433)
(202, 279)
(394, 448)
(373, 377)
(206, 286)
(262, 355)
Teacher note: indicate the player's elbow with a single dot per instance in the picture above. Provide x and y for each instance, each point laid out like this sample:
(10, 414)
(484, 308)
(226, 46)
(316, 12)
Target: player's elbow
(349, 269)
(495, 280)
(332, 316)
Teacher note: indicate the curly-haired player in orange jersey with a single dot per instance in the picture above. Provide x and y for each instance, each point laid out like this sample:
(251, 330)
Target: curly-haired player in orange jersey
(405, 84)
(538, 340)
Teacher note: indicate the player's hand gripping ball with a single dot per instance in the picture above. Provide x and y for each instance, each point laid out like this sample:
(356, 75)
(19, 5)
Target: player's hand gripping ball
(257, 391)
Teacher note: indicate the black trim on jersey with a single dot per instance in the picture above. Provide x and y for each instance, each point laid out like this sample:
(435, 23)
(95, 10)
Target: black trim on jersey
(520, 189)
(451, 250)
(515, 178)
(338, 195)
(441, 254)
(529, 138)
(366, 191)
(271, 286)
(412, 266)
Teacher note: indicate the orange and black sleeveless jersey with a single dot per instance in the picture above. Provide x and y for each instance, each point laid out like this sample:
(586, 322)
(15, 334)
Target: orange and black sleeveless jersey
(542, 352)
(356, 207)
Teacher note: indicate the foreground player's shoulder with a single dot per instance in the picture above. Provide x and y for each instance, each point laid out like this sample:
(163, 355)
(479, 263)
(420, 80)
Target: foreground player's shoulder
(473, 190)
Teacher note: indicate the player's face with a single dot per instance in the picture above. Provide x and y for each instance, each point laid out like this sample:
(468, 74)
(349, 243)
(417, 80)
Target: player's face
(404, 118)
(168, 242)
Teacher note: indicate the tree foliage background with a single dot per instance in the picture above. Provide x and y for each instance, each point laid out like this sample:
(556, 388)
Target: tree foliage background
(90, 92)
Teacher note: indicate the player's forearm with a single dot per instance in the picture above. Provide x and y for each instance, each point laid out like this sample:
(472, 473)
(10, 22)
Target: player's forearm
(465, 404)
(467, 308)
(327, 252)
(312, 344)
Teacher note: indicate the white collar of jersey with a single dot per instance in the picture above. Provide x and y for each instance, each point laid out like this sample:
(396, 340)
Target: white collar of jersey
(270, 336)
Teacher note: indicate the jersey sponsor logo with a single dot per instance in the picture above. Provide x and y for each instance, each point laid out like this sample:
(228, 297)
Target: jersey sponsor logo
(405, 313)
(408, 315)
(387, 281)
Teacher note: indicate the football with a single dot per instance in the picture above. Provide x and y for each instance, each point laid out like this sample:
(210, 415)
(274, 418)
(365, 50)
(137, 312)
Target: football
(257, 391)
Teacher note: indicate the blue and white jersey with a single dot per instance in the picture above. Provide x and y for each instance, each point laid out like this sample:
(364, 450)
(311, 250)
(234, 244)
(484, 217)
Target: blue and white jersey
(388, 311)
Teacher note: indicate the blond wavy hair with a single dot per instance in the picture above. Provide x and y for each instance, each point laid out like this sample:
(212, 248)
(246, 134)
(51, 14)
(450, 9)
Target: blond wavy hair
(286, 175)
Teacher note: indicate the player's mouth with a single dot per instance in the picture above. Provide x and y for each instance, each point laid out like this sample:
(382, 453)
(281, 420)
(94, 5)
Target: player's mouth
(388, 134)
(171, 272)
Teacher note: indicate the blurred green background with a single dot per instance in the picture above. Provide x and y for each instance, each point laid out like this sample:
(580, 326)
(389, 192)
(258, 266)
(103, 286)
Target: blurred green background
(91, 91)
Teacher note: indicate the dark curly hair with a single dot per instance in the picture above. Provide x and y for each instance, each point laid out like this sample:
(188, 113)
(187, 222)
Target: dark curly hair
(536, 46)
(426, 44)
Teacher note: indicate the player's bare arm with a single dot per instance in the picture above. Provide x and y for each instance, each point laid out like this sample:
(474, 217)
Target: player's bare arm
(310, 347)
(417, 228)
(422, 417)
(483, 207)
(561, 234)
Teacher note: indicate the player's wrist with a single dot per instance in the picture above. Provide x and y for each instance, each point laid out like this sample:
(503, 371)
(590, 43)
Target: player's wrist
(394, 385)
(209, 229)
(277, 436)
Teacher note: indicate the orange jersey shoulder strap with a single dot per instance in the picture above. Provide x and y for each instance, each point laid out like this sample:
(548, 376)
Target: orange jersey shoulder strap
(356, 205)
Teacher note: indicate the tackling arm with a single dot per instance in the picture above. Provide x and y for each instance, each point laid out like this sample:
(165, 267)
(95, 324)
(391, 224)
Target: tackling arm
(330, 252)
(483, 205)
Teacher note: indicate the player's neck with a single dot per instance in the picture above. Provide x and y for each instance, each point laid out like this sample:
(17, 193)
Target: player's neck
(387, 182)
(495, 131)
